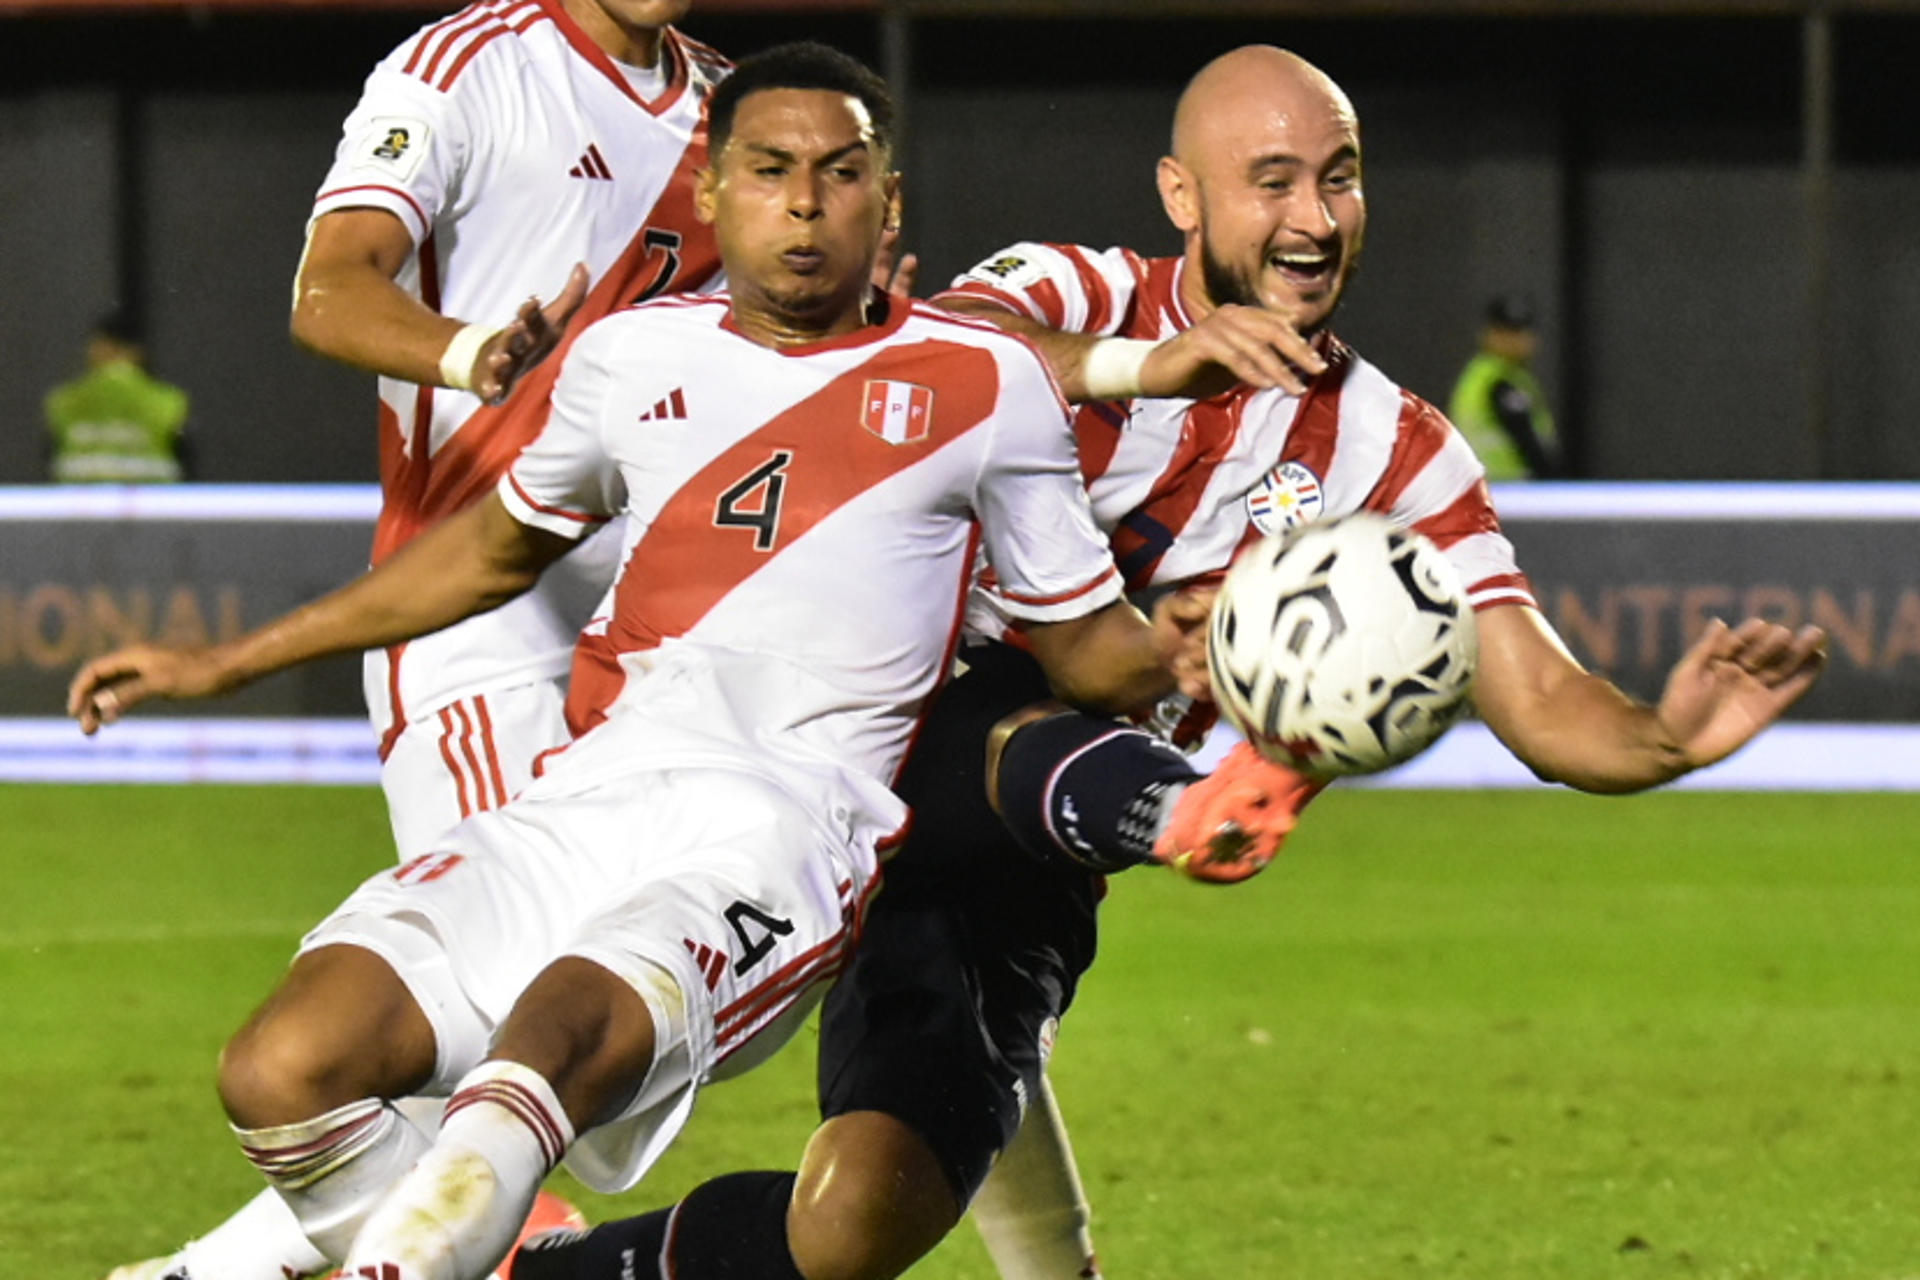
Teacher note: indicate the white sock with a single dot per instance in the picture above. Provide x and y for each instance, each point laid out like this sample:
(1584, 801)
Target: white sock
(456, 1214)
(1032, 1210)
(332, 1170)
(261, 1241)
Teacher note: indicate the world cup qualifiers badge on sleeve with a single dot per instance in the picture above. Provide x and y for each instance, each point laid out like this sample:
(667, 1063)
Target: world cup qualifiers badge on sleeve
(392, 145)
(1286, 498)
(1009, 271)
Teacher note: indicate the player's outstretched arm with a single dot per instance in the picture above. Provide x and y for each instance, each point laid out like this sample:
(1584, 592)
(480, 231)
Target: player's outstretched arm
(346, 305)
(1114, 660)
(1230, 346)
(1569, 725)
(465, 565)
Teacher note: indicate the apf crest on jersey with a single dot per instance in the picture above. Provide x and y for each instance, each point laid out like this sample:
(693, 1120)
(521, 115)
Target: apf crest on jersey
(1286, 498)
(897, 412)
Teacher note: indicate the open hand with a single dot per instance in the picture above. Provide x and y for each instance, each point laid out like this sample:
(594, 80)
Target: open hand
(1735, 681)
(894, 272)
(532, 336)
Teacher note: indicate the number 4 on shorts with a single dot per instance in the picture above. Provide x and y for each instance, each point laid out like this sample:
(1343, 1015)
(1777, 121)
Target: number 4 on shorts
(757, 931)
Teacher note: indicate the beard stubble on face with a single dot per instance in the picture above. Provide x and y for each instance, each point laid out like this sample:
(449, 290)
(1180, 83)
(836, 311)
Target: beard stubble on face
(1228, 285)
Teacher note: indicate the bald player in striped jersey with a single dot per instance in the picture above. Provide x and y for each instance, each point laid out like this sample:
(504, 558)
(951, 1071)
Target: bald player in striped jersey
(1216, 405)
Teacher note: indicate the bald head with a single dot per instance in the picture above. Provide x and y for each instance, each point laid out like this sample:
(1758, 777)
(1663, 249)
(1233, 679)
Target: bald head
(1254, 83)
(1264, 183)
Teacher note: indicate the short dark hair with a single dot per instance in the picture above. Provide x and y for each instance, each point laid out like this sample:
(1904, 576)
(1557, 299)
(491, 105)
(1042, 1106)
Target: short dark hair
(803, 64)
(1510, 311)
(120, 325)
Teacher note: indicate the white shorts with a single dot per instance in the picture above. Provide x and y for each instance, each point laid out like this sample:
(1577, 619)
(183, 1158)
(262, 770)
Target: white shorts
(468, 757)
(728, 902)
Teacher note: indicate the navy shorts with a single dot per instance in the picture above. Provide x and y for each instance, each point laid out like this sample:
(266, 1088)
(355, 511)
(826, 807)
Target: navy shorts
(970, 953)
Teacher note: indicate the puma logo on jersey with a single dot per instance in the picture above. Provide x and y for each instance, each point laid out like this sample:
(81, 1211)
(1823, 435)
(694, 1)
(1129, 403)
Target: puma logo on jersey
(671, 409)
(591, 165)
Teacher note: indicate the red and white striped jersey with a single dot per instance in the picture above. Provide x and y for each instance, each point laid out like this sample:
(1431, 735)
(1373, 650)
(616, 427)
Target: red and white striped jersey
(802, 526)
(511, 147)
(1181, 485)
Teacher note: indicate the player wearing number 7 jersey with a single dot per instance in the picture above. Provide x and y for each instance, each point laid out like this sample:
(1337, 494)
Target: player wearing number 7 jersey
(489, 154)
(661, 907)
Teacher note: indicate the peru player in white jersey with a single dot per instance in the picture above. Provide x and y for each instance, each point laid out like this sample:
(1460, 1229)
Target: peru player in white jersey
(670, 894)
(492, 155)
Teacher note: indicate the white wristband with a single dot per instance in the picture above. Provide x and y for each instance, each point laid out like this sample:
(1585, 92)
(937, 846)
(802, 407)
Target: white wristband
(456, 362)
(1111, 370)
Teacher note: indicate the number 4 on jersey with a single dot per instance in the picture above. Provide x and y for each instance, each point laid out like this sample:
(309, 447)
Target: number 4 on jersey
(757, 932)
(753, 502)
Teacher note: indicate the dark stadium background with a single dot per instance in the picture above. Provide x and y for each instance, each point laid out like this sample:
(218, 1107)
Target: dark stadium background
(1712, 203)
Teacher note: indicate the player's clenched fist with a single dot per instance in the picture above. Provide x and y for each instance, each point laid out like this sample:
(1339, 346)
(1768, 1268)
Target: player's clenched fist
(106, 688)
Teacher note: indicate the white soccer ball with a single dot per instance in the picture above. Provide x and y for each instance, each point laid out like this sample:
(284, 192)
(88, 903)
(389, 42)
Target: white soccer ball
(1342, 647)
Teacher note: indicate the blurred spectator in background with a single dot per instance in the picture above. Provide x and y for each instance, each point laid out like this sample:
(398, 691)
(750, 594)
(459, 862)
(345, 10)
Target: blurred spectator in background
(1499, 404)
(116, 423)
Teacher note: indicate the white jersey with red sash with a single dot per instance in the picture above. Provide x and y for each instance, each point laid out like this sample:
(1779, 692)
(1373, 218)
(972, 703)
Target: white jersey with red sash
(802, 529)
(512, 147)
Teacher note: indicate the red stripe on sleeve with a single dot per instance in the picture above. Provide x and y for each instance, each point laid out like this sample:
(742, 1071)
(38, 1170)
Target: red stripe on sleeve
(1418, 438)
(578, 517)
(482, 17)
(1470, 513)
(429, 39)
(1504, 587)
(1064, 596)
(425, 221)
(1046, 296)
(1094, 286)
(460, 63)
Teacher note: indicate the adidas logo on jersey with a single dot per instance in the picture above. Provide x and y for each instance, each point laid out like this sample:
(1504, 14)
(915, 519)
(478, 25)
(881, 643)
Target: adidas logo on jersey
(591, 165)
(673, 408)
(713, 964)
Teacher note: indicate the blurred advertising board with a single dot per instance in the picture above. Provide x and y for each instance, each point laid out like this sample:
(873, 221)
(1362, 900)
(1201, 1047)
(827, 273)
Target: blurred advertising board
(87, 569)
(1627, 573)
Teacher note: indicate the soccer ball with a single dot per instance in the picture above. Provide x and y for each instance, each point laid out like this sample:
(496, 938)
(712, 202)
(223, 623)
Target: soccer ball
(1342, 647)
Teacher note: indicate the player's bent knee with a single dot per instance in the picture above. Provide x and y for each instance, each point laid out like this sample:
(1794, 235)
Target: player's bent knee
(589, 1032)
(340, 1027)
(870, 1201)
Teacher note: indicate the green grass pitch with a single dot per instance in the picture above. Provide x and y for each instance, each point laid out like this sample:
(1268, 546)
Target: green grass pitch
(1490, 1035)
